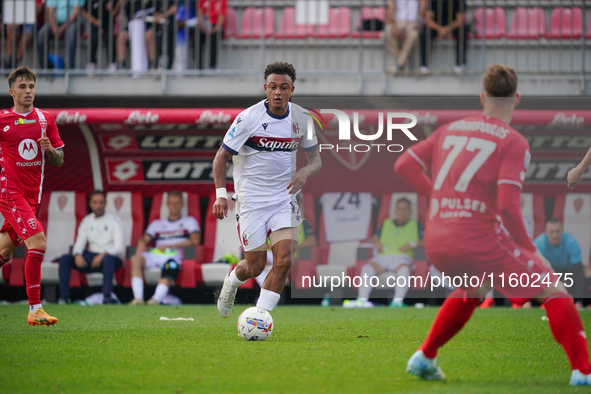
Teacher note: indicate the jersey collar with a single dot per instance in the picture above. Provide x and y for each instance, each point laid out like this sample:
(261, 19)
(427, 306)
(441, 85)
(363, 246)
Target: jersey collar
(275, 116)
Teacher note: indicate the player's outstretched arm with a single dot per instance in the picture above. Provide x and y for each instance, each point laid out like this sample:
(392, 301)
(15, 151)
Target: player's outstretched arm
(220, 168)
(301, 176)
(575, 175)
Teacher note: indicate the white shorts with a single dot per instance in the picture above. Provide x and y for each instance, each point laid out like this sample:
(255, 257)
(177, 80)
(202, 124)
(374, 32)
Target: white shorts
(157, 260)
(391, 262)
(257, 221)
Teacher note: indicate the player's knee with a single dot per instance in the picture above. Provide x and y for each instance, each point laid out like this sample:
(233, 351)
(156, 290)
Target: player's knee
(553, 291)
(170, 270)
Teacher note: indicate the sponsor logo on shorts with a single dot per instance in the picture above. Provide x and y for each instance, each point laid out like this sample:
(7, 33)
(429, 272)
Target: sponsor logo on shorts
(32, 222)
(244, 240)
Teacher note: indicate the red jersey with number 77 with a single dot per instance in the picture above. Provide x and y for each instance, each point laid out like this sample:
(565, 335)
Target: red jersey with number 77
(21, 157)
(469, 158)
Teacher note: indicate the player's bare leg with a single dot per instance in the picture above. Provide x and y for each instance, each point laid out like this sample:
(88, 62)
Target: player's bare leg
(37, 244)
(567, 328)
(251, 267)
(138, 262)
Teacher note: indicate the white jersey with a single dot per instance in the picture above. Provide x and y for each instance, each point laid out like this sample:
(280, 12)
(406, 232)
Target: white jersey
(166, 232)
(264, 148)
(103, 235)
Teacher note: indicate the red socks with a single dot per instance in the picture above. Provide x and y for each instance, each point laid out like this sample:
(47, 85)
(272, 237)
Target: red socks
(453, 315)
(567, 328)
(3, 261)
(33, 275)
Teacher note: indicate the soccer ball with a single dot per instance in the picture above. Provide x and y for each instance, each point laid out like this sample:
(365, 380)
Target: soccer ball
(255, 324)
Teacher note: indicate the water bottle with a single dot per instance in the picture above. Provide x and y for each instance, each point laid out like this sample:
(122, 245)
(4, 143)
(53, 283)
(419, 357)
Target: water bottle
(326, 300)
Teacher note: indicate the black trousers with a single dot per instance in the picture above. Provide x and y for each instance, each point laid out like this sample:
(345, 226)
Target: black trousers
(460, 37)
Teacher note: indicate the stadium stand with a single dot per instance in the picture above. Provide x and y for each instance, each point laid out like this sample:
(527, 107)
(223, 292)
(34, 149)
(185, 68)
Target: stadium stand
(574, 210)
(289, 29)
(231, 24)
(527, 24)
(566, 23)
(338, 26)
(257, 23)
(489, 23)
(371, 15)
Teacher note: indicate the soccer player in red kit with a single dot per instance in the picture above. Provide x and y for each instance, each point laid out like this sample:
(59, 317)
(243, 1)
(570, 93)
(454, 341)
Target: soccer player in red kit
(478, 166)
(28, 137)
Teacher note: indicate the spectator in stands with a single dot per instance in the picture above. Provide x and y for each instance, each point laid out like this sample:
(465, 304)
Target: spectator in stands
(444, 19)
(99, 247)
(101, 26)
(19, 37)
(395, 244)
(563, 252)
(171, 235)
(402, 25)
(575, 175)
(159, 17)
(62, 22)
(211, 15)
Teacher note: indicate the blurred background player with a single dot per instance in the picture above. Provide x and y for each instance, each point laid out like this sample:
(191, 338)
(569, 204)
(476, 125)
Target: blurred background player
(395, 243)
(171, 235)
(211, 15)
(563, 252)
(263, 142)
(30, 136)
(103, 233)
(575, 175)
(478, 166)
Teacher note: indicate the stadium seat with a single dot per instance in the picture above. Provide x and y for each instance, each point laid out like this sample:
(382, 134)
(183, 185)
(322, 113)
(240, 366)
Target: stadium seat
(533, 211)
(489, 22)
(289, 29)
(231, 24)
(159, 210)
(338, 249)
(257, 23)
(574, 209)
(339, 24)
(566, 23)
(60, 213)
(129, 207)
(528, 23)
(369, 13)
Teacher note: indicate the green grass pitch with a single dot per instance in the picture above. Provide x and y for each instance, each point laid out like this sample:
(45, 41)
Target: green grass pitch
(313, 349)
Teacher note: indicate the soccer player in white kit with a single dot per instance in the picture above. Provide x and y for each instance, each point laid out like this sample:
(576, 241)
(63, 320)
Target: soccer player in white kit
(262, 142)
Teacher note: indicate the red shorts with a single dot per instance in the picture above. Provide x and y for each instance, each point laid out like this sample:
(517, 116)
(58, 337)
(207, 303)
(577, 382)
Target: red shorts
(20, 218)
(513, 270)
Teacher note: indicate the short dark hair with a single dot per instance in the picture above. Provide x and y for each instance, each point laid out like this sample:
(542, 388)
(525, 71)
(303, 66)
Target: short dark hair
(281, 68)
(553, 220)
(404, 199)
(176, 193)
(500, 81)
(95, 192)
(21, 72)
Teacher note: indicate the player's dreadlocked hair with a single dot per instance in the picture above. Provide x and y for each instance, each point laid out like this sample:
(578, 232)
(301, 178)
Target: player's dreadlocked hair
(23, 72)
(280, 68)
(500, 81)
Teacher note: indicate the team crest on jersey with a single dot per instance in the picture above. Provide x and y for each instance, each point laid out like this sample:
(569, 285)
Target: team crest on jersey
(32, 222)
(43, 124)
(296, 128)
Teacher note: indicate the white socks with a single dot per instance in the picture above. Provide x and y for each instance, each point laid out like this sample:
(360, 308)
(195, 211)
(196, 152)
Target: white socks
(365, 291)
(400, 291)
(137, 285)
(234, 281)
(160, 292)
(268, 300)
(33, 308)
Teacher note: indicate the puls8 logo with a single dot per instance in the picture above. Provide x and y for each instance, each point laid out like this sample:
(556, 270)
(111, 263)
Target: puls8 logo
(344, 134)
